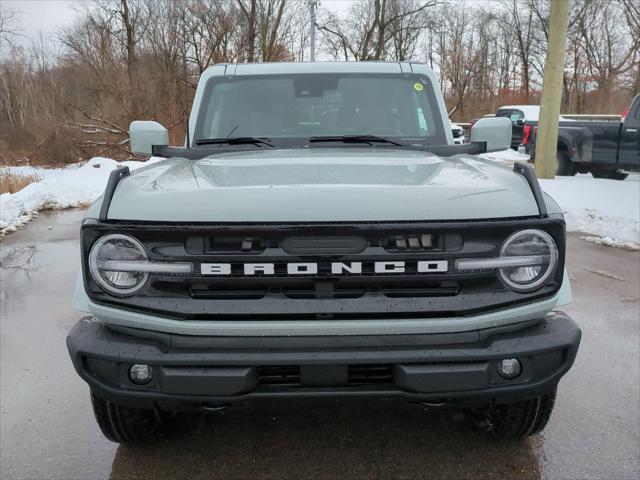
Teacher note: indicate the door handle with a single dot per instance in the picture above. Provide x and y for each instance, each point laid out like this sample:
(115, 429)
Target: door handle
(632, 130)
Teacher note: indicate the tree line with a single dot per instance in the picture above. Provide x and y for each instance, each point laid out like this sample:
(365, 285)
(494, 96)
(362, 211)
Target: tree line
(121, 60)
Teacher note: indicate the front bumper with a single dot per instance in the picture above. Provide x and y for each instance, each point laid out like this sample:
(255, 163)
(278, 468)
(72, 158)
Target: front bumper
(207, 372)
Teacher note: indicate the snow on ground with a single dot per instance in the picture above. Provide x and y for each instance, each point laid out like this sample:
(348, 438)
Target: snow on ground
(606, 211)
(59, 188)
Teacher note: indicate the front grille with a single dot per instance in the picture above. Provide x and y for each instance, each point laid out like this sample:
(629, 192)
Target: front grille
(410, 293)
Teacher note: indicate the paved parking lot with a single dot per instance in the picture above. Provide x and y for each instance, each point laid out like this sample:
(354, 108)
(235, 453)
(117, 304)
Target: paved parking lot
(48, 431)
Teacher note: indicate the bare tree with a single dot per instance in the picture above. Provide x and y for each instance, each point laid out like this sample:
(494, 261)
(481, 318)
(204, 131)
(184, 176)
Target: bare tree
(272, 27)
(460, 57)
(611, 50)
(249, 8)
(407, 28)
(631, 11)
(375, 27)
(210, 33)
(8, 27)
(130, 59)
(524, 31)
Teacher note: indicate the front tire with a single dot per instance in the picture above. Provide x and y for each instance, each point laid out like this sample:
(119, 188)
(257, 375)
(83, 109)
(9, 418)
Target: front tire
(564, 166)
(519, 419)
(130, 425)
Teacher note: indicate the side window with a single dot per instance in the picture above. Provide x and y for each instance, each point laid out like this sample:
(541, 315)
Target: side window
(516, 115)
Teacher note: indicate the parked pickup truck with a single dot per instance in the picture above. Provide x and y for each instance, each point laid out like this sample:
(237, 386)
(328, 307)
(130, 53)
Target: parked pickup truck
(607, 149)
(320, 235)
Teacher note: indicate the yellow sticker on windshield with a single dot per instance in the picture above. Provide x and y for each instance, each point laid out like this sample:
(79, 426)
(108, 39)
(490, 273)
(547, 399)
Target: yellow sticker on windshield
(417, 87)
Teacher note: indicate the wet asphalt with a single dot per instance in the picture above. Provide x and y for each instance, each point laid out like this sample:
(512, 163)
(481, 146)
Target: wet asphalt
(48, 431)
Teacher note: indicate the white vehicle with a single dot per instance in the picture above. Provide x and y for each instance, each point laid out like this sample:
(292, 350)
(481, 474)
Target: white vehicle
(519, 114)
(458, 134)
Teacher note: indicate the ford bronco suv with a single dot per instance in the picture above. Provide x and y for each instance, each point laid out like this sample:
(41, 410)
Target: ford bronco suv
(320, 235)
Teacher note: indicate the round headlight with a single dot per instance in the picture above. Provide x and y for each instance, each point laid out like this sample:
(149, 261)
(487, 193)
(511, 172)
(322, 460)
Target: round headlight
(117, 248)
(541, 253)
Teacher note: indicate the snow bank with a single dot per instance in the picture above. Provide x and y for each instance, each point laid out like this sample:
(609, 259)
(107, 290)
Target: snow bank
(59, 188)
(608, 211)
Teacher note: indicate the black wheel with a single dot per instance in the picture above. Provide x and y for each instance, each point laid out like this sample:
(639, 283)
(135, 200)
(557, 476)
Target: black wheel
(519, 419)
(610, 174)
(564, 166)
(130, 425)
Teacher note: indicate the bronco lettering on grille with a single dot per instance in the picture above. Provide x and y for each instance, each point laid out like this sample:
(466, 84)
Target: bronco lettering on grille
(336, 268)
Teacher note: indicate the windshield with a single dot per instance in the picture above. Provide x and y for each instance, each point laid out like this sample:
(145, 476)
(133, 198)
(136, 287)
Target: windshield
(281, 107)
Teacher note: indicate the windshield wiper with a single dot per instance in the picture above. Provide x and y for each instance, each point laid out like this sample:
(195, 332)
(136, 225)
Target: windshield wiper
(356, 139)
(234, 141)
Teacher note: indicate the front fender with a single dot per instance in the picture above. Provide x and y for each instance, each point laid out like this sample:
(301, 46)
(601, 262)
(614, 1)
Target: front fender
(80, 299)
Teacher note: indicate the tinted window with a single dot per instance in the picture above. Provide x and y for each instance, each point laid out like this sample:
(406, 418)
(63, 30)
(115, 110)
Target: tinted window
(300, 106)
(514, 115)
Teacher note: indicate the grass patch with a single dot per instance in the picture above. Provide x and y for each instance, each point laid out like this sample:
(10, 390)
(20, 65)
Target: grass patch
(11, 182)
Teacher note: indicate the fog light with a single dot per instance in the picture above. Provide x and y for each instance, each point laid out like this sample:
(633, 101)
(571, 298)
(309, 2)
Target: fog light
(509, 368)
(140, 374)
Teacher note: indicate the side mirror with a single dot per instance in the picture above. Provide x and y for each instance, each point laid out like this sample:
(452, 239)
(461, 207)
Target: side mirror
(520, 122)
(144, 134)
(495, 132)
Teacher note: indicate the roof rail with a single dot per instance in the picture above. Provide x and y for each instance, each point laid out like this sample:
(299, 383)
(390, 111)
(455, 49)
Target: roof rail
(529, 175)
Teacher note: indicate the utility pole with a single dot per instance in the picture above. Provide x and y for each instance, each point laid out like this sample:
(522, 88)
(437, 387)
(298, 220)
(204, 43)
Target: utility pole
(547, 139)
(312, 11)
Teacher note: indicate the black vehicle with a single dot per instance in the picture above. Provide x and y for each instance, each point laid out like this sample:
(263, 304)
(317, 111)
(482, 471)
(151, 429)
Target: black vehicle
(606, 149)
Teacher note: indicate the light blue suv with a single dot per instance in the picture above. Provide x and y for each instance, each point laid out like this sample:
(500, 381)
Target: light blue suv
(320, 235)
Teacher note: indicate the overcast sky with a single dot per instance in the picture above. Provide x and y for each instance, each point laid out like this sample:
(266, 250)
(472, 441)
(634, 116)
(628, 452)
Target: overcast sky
(47, 16)
(44, 16)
